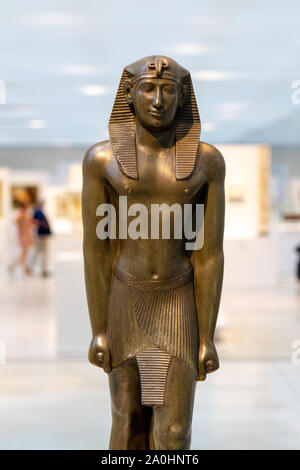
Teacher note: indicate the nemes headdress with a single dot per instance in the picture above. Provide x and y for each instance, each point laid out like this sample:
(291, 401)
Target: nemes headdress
(122, 120)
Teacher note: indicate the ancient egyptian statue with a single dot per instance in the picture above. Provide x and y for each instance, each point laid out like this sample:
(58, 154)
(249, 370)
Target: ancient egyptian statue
(153, 304)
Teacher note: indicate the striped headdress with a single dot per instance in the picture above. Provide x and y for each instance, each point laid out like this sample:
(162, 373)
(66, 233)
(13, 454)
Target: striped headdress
(122, 120)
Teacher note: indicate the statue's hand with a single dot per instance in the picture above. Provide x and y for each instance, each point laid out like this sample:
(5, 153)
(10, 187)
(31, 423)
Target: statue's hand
(99, 354)
(208, 358)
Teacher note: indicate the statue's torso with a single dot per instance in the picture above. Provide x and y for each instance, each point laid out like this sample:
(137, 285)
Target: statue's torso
(159, 259)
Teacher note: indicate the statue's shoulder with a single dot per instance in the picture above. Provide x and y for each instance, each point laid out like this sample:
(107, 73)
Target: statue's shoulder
(98, 157)
(213, 160)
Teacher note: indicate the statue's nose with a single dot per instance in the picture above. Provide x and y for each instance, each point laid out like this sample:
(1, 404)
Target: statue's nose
(158, 99)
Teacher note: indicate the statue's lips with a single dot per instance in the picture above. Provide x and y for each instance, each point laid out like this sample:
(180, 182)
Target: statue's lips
(157, 114)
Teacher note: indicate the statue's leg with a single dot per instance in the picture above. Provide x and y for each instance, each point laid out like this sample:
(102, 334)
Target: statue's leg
(172, 422)
(131, 422)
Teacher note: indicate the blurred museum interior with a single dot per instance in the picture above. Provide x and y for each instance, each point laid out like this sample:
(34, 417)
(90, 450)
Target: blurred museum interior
(61, 62)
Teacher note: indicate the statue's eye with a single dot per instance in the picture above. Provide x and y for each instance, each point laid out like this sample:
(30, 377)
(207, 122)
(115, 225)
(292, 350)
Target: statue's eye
(170, 89)
(146, 87)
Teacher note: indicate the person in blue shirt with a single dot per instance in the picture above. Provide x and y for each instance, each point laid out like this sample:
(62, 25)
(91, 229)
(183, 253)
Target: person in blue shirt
(43, 234)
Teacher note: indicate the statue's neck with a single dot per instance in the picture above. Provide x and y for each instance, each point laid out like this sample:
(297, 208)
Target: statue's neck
(154, 141)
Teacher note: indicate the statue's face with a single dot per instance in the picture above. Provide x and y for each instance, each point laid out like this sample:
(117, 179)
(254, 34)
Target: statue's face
(155, 102)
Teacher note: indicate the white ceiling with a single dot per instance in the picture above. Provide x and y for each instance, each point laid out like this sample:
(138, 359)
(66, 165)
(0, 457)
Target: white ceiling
(61, 61)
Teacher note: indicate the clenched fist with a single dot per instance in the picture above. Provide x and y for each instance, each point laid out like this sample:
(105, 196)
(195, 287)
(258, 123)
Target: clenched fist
(208, 358)
(99, 354)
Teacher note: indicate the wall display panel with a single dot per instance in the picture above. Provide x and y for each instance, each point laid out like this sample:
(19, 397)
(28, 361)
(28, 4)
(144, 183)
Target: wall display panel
(26, 187)
(64, 209)
(247, 188)
(264, 177)
(21, 194)
(1, 200)
(68, 205)
(5, 211)
(4, 184)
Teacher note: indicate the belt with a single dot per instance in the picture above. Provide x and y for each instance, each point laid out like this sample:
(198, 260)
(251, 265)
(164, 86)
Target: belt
(153, 285)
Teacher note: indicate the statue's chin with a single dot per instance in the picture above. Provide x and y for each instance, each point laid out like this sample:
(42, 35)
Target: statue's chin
(156, 126)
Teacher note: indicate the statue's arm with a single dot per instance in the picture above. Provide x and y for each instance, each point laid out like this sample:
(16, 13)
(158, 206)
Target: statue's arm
(208, 262)
(97, 258)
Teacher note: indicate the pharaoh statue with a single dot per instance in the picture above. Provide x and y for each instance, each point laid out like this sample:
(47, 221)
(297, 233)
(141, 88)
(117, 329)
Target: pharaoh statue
(153, 304)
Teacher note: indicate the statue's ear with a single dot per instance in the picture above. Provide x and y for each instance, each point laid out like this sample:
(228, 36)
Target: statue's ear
(183, 95)
(127, 87)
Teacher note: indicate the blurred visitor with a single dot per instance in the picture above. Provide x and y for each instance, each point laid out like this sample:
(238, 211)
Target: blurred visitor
(41, 245)
(25, 227)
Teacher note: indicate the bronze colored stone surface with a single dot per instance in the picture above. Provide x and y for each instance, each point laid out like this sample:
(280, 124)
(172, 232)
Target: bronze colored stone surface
(153, 305)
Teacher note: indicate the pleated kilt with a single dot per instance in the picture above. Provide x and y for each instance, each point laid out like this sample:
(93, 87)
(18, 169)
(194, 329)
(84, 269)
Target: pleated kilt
(152, 321)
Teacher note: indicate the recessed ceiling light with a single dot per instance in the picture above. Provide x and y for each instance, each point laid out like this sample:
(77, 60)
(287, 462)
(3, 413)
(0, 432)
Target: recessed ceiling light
(191, 49)
(2, 92)
(37, 124)
(58, 19)
(94, 90)
(232, 111)
(81, 70)
(208, 126)
(212, 75)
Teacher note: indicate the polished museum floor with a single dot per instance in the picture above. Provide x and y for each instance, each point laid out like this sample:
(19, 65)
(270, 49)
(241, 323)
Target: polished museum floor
(253, 402)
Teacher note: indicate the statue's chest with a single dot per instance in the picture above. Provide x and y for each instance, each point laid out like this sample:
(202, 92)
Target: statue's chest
(157, 174)
(157, 182)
